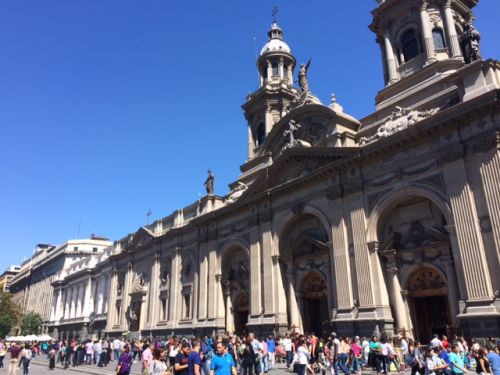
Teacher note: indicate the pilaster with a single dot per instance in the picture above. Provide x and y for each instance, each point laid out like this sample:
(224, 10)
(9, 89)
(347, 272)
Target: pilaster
(268, 282)
(203, 283)
(469, 251)
(255, 273)
(175, 286)
(339, 253)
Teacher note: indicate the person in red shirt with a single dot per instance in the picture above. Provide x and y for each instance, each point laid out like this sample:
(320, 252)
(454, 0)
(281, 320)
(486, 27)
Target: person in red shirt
(444, 342)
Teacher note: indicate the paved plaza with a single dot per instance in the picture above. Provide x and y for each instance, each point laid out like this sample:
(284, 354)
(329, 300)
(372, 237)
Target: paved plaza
(40, 366)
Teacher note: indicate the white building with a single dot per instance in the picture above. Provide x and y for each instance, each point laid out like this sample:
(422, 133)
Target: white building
(32, 287)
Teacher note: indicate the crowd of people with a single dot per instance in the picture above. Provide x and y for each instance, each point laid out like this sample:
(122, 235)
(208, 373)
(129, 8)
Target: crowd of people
(249, 355)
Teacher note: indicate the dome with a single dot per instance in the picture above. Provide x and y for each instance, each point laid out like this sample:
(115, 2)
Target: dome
(275, 45)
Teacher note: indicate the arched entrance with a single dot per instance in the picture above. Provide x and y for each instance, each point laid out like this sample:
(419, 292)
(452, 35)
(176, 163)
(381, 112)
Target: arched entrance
(235, 284)
(414, 246)
(314, 303)
(427, 293)
(306, 269)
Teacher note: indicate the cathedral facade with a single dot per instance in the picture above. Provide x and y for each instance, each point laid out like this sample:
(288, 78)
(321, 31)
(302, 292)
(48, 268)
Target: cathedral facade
(390, 223)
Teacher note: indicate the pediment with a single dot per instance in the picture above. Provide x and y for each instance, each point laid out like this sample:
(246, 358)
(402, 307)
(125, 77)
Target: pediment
(312, 125)
(141, 238)
(294, 164)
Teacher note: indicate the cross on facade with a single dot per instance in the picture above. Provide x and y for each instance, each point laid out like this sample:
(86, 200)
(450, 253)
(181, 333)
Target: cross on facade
(274, 13)
(292, 127)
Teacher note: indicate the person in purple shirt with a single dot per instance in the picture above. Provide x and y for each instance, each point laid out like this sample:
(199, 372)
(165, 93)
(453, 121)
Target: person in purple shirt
(194, 359)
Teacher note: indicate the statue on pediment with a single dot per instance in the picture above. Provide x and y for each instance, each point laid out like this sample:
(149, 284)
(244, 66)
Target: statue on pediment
(236, 192)
(399, 120)
(302, 79)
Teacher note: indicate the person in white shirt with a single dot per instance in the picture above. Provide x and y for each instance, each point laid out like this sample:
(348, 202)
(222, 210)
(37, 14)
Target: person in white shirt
(436, 342)
(287, 343)
(304, 355)
(117, 348)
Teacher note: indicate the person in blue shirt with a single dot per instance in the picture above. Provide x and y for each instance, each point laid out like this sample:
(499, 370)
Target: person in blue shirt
(457, 361)
(222, 363)
(271, 350)
(494, 358)
(443, 354)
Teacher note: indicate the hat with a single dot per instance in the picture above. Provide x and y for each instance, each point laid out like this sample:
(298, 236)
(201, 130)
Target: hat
(334, 334)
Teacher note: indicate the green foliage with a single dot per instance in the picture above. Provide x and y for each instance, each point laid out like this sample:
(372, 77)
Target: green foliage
(31, 324)
(9, 314)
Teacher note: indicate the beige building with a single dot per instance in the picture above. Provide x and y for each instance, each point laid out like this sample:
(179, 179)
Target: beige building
(32, 287)
(80, 299)
(390, 223)
(7, 276)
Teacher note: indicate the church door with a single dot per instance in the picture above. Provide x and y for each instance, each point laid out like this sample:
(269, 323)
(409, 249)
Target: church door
(241, 312)
(428, 303)
(314, 303)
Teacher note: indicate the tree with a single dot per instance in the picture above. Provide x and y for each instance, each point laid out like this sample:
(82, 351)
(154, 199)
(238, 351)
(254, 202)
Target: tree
(10, 314)
(31, 324)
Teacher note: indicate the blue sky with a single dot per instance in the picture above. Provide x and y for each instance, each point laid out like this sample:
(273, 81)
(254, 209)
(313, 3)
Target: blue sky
(111, 108)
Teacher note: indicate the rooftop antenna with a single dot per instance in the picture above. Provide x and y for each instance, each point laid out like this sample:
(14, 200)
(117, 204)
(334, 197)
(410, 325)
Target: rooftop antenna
(79, 226)
(274, 14)
(256, 58)
(148, 214)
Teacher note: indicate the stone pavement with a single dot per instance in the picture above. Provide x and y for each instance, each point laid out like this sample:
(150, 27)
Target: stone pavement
(40, 366)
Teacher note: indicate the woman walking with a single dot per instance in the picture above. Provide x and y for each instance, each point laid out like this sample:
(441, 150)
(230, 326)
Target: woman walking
(304, 355)
(125, 361)
(52, 357)
(26, 356)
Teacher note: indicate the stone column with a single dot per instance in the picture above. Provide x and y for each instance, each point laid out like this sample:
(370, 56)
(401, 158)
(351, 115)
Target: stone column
(125, 296)
(203, 281)
(281, 70)
(100, 296)
(427, 33)
(82, 301)
(219, 301)
(111, 316)
(154, 290)
(67, 303)
(255, 273)
(339, 255)
(269, 71)
(452, 287)
(290, 74)
(390, 60)
(488, 158)
(467, 246)
(74, 293)
(279, 293)
(395, 291)
(292, 298)
(175, 290)
(59, 307)
(87, 304)
(229, 307)
(364, 272)
(268, 282)
(452, 32)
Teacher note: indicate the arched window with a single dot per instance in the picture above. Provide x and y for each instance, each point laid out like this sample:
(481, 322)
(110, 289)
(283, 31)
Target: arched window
(410, 45)
(438, 36)
(275, 71)
(261, 134)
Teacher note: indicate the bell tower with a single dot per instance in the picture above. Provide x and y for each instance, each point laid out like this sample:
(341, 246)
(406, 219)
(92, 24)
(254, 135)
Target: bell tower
(423, 38)
(266, 106)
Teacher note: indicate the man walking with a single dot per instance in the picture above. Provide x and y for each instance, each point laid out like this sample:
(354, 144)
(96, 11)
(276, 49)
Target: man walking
(222, 363)
(15, 350)
(271, 351)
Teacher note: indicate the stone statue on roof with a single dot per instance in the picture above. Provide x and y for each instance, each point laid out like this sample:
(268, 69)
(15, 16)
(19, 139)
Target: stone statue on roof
(209, 183)
(303, 83)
